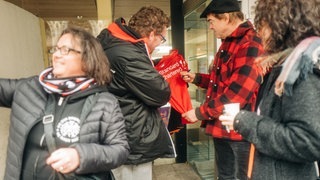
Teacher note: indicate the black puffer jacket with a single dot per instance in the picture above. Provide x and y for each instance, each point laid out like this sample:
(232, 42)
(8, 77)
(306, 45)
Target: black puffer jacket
(141, 90)
(101, 137)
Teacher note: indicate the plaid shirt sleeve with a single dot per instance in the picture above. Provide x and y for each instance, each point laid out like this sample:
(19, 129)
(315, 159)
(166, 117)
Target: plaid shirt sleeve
(237, 80)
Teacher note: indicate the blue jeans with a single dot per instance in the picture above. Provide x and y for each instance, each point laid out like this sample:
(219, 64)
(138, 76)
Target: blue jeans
(232, 159)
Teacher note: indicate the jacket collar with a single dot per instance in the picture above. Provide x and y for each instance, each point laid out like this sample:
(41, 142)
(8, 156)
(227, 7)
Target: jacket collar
(242, 29)
(120, 30)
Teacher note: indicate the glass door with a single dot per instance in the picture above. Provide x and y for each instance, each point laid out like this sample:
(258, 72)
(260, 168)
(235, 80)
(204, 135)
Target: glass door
(199, 50)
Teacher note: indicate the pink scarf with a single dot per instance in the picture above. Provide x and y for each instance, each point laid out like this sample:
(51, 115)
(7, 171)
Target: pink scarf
(295, 65)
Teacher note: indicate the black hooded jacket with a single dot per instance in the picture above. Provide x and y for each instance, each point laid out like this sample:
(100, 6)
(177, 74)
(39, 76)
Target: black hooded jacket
(141, 90)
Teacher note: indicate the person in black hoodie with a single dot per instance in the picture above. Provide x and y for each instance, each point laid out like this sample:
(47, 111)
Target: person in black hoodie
(64, 123)
(140, 89)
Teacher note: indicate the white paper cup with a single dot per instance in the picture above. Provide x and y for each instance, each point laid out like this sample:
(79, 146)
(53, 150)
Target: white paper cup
(232, 108)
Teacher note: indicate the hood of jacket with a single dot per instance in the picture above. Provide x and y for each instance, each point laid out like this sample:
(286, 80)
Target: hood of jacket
(118, 33)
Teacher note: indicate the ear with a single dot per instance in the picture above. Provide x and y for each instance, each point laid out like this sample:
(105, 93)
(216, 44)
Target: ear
(151, 35)
(227, 17)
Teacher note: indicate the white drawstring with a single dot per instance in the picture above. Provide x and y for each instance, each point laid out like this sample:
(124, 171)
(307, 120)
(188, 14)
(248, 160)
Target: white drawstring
(317, 168)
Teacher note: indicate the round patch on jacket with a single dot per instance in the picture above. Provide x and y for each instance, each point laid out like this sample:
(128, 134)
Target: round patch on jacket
(68, 129)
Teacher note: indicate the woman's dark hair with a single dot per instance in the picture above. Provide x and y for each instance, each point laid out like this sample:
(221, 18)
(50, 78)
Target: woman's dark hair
(290, 21)
(95, 62)
(148, 19)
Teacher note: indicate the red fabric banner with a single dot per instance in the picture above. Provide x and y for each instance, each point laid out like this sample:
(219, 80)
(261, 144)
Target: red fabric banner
(170, 67)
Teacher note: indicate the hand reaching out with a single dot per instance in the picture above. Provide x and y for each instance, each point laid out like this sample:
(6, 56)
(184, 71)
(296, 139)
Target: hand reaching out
(187, 76)
(190, 116)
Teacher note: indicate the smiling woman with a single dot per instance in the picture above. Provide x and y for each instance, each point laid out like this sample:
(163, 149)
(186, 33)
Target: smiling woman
(67, 114)
(67, 61)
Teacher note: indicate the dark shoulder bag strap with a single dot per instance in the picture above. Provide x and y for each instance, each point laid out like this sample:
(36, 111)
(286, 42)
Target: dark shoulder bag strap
(47, 121)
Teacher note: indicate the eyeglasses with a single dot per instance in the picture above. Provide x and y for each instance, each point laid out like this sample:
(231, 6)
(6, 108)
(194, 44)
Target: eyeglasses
(163, 39)
(63, 50)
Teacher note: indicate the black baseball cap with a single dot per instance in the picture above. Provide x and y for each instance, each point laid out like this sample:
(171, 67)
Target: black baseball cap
(221, 6)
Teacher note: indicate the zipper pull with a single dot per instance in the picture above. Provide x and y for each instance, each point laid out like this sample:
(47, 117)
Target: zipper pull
(60, 101)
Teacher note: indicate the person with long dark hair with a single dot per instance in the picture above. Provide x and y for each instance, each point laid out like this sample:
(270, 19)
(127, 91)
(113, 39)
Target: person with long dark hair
(285, 130)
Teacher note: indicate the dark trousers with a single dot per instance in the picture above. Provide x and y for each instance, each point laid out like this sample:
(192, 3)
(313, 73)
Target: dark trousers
(232, 159)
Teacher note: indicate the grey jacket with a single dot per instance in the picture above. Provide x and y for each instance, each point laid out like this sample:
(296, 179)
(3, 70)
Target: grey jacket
(102, 145)
(286, 136)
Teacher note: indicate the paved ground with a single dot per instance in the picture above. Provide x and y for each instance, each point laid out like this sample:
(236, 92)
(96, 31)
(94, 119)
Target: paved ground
(174, 171)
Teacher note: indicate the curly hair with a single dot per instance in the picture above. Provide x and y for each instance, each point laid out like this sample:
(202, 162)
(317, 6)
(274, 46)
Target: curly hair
(94, 61)
(148, 19)
(290, 21)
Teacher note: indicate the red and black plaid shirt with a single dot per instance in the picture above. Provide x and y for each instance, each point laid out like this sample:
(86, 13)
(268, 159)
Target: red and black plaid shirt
(234, 78)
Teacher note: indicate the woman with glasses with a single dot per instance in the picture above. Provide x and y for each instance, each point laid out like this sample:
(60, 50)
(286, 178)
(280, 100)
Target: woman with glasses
(64, 123)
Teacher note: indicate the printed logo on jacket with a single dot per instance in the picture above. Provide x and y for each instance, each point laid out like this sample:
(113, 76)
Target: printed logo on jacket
(68, 129)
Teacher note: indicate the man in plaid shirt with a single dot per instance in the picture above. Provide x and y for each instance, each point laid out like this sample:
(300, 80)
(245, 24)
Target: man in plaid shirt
(233, 78)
